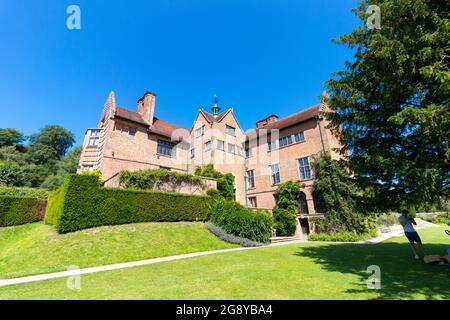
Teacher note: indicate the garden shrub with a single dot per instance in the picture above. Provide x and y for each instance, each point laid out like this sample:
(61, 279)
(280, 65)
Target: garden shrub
(285, 212)
(225, 181)
(285, 221)
(213, 193)
(442, 219)
(82, 203)
(20, 210)
(239, 221)
(388, 219)
(243, 242)
(24, 192)
(341, 236)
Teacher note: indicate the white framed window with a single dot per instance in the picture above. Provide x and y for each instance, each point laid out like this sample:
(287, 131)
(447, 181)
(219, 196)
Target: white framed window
(275, 173)
(248, 152)
(221, 145)
(94, 138)
(199, 131)
(299, 136)
(251, 179)
(231, 148)
(192, 152)
(207, 145)
(230, 130)
(304, 168)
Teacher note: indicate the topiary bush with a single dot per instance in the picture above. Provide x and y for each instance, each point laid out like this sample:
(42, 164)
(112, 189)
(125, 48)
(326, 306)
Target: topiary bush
(82, 203)
(239, 221)
(20, 210)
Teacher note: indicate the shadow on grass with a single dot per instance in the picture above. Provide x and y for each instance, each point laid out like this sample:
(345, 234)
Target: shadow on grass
(402, 277)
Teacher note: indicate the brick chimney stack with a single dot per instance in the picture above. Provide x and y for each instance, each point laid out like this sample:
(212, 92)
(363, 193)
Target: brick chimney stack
(146, 106)
(264, 122)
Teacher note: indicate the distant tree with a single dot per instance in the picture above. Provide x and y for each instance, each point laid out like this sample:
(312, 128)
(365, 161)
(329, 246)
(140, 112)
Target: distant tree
(11, 138)
(35, 174)
(11, 174)
(13, 154)
(56, 137)
(40, 153)
(391, 103)
(65, 166)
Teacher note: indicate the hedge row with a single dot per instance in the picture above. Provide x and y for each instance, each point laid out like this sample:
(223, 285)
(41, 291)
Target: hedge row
(24, 192)
(82, 203)
(341, 236)
(239, 221)
(15, 211)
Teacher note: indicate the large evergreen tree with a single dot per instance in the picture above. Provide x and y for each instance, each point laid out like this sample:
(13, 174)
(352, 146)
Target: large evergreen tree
(392, 102)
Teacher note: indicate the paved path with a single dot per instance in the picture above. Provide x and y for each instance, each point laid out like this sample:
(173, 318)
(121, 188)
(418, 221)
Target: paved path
(63, 274)
(7, 282)
(397, 231)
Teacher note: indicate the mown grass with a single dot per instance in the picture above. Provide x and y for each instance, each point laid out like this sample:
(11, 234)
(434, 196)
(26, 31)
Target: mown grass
(37, 248)
(298, 271)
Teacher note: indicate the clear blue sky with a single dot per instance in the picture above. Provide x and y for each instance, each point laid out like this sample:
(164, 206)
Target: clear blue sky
(259, 56)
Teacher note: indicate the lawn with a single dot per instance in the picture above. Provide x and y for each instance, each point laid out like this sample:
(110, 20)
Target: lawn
(297, 271)
(36, 248)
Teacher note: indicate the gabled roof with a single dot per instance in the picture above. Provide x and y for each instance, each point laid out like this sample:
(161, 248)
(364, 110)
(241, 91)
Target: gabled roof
(291, 120)
(158, 126)
(210, 117)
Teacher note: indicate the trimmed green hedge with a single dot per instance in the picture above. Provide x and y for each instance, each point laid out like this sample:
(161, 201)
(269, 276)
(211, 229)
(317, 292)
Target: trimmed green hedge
(81, 203)
(15, 211)
(239, 221)
(342, 236)
(24, 192)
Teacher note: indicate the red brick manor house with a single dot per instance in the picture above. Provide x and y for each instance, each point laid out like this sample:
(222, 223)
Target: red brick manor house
(277, 150)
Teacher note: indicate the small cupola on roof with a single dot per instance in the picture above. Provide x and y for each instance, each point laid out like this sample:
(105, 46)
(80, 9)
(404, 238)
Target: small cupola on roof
(215, 108)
